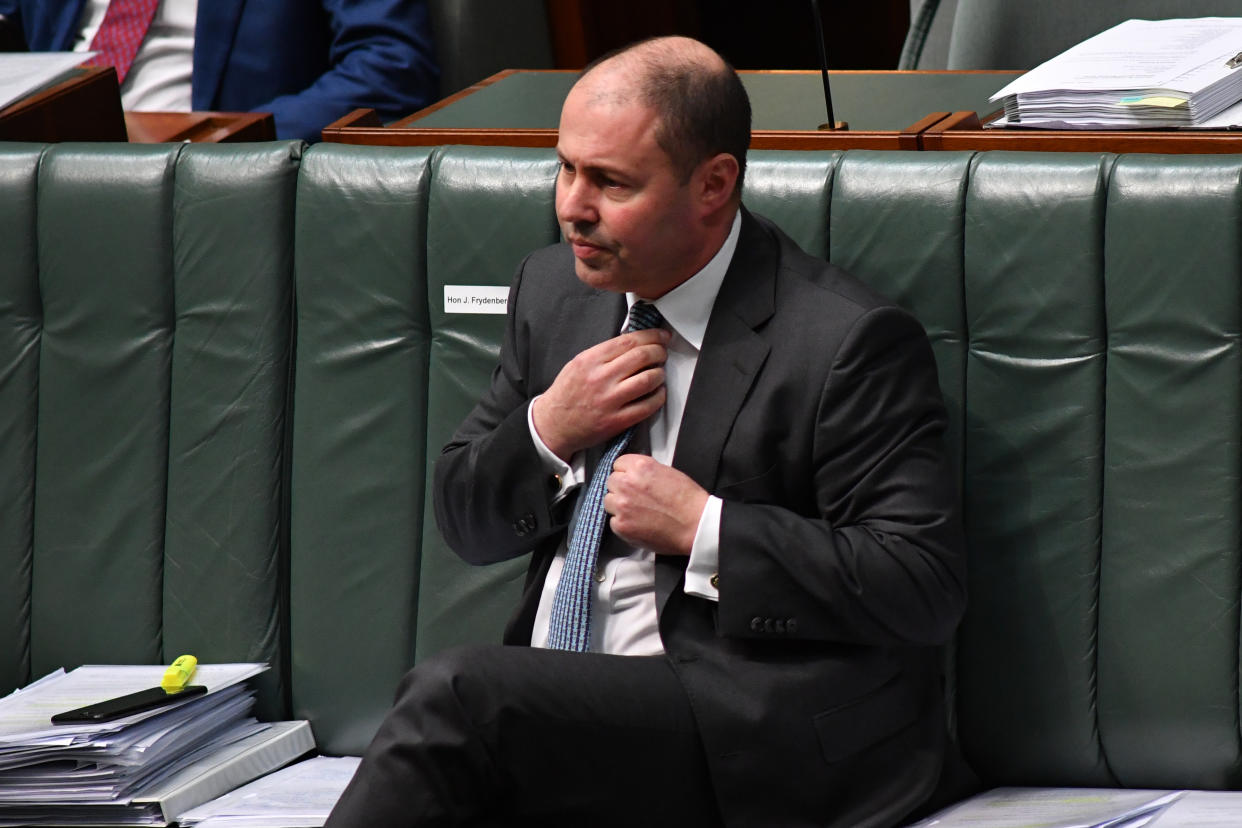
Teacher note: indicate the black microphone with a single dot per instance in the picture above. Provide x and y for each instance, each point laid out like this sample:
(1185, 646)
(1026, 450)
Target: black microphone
(832, 123)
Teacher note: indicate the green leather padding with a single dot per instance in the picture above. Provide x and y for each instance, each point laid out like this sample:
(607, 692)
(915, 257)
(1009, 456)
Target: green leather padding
(20, 327)
(792, 189)
(909, 248)
(165, 275)
(489, 208)
(358, 434)
(1003, 34)
(226, 541)
(1172, 508)
(1084, 311)
(1034, 438)
(105, 260)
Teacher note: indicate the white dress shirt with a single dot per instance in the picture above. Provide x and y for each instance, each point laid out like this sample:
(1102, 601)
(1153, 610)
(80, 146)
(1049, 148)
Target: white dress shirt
(623, 609)
(159, 78)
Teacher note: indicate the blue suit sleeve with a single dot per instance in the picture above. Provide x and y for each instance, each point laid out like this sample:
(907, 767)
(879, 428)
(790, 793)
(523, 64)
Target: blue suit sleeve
(380, 57)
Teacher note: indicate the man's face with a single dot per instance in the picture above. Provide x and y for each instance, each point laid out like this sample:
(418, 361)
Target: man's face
(631, 221)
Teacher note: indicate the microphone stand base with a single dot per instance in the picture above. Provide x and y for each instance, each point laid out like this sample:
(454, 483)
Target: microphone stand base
(839, 126)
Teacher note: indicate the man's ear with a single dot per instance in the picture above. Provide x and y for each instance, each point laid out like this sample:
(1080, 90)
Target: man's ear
(715, 180)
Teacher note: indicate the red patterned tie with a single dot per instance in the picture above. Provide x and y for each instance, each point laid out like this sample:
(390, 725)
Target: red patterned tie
(124, 26)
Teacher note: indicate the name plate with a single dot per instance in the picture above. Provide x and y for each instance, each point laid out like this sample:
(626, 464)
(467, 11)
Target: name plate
(476, 298)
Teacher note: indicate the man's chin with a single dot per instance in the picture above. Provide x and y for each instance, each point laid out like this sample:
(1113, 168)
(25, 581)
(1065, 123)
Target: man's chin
(601, 278)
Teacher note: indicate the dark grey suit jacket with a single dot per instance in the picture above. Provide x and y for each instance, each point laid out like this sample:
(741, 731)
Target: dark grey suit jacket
(815, 415)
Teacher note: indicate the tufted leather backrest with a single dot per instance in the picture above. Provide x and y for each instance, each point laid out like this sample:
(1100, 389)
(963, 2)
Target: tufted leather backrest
(1084, 310)
(145, 330)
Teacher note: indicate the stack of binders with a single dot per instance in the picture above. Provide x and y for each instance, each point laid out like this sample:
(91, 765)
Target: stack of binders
(141, 769)
(1139, 74)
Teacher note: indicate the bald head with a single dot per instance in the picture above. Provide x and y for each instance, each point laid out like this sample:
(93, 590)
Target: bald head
(698, 99)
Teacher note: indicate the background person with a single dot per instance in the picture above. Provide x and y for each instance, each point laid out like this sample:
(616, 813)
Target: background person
(308, 62)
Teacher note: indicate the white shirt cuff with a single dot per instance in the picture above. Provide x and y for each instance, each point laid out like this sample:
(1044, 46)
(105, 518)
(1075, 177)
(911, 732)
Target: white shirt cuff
(705, 553)
(572, 474)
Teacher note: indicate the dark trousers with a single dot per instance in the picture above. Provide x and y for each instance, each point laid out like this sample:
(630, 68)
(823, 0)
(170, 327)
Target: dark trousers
(510, 736)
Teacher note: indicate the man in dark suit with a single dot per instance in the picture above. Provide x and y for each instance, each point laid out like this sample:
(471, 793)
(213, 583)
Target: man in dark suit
(761, 625)
(308, 62)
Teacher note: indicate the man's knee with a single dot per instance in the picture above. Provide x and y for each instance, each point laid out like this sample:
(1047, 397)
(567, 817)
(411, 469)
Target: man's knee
(449, 682)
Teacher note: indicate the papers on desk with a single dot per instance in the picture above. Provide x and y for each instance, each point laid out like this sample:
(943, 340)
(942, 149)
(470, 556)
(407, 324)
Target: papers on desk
(1202, 809)
(97, 773)
(300, 796)
(1091, 808)
(1055, 808)
(1138, 74)
(24, 72)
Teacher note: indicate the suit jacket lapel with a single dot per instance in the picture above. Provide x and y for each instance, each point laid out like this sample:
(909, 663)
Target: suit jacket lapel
(214, 31)
(732, 354)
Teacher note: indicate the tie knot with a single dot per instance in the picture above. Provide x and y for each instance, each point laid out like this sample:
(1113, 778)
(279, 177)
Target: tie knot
(643, 315)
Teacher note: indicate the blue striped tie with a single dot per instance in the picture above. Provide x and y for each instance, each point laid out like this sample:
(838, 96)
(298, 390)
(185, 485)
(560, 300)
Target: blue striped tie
(570, 625)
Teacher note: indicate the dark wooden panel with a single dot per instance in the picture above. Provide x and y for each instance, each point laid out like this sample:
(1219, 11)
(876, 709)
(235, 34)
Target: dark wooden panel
(750, 35)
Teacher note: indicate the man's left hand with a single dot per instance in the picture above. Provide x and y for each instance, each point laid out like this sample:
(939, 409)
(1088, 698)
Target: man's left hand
(653, 506)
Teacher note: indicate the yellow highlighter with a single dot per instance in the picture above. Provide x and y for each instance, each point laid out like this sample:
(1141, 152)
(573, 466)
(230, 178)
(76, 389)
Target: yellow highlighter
(179, 673)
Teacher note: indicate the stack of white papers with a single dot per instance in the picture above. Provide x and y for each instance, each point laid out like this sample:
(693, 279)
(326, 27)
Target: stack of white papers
(1139, 74)
(300, 796)
(1055, 808)
(59, 774)
(1202, 809)
(22, 73)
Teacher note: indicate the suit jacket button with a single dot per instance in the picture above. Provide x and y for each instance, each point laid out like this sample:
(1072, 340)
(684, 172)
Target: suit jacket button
(756, 624)
(779, 625)
(791, 625)
(524, 525)
(769, 625)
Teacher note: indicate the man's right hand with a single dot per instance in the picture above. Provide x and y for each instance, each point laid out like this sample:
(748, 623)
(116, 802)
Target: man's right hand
(603, 391)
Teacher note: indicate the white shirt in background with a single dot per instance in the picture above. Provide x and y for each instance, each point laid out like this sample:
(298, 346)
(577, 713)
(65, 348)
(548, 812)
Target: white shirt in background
(159, 79)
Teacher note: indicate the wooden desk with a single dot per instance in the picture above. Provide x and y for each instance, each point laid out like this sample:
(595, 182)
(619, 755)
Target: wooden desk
(964, 131)
(199, 127)
(84, 106)
(885, 110)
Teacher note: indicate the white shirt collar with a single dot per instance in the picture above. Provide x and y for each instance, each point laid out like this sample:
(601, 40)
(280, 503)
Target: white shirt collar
(687, 307)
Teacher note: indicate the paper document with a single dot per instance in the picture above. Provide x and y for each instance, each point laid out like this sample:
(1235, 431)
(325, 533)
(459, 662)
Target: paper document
(300, 796)
(1140, 73)
(1203, 809)
(27, 714)
(23, 72)
(1055, 808)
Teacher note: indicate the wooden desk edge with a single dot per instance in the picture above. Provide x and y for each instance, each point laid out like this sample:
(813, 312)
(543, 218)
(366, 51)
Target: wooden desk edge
(810, 139)
(961, 133)
(200, 127)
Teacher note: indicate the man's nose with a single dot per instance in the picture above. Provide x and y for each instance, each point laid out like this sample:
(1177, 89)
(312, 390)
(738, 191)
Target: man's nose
(575, 202)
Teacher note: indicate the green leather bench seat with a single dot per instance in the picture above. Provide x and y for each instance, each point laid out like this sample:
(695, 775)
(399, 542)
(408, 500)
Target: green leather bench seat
(145, 337)
(360, 403)
(224, 372)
